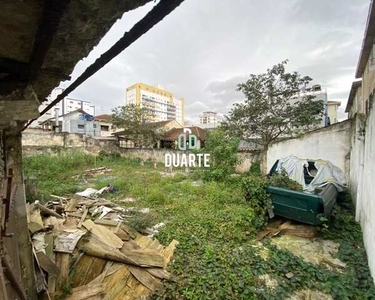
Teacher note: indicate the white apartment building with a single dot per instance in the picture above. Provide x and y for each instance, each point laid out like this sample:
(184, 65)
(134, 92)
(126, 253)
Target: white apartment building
(210, 117)
(65, 106)
(163, 105)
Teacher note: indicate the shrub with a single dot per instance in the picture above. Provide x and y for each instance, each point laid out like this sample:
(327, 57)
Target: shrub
(254, 188)
(255, 169)
(141, 221)
(282, 180)
(223, 155)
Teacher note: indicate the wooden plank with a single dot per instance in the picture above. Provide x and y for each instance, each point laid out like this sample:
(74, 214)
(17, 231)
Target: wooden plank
(108, 266)
(97, 248)
(75, 214)
(143, 241)
(47, 210)
(35, 220)
(145, 257)
(85, 211)
(87, 269)
(146, 278)
(87, 292)
(122, 234)
(53, 222)
(103, 234)
(59, 197)
(155, 244)
(117, 283)
(47, 264)
(130, 245)
(71, 206)
(62, 262)
(159, 273)
(48, 238)
(168, 252)
(133, 290)
(132, 233)
(262, 234)
(304, 231)
(106, 222)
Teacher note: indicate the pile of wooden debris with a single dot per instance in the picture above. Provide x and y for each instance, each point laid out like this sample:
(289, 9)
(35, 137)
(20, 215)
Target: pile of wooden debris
(84, 251)
(286, 227)
(94, 172)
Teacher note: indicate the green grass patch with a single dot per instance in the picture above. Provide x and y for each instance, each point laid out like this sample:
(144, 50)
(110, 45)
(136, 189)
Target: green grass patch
(216, 223)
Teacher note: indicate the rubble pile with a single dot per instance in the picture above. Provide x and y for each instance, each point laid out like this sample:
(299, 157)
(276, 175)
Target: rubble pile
(83, 250)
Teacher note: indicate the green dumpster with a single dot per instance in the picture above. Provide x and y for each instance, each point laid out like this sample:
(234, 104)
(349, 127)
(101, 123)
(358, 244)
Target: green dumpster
(301, 206)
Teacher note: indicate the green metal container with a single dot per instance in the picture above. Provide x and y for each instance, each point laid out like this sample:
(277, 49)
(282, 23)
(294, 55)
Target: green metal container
(300, 206)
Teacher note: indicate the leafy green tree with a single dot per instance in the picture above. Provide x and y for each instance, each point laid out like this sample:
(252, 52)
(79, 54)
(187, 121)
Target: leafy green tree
(223, 154)
(275, 107)
(137, 125)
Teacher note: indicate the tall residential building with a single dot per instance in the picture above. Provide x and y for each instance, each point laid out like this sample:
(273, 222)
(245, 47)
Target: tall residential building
(160, 102)
(210, 117)
(65, 106)
(333, 106)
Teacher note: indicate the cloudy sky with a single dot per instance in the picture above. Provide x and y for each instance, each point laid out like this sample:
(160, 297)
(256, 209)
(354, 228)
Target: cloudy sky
(206, 47)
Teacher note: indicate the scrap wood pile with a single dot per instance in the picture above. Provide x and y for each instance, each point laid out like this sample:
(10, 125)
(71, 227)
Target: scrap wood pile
(94, 172)
(286, 227)
(83, 251)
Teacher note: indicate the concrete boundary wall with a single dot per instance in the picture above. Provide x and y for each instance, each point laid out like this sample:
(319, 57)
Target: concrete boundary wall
(39, 142)
(362, 182)
(329, 143)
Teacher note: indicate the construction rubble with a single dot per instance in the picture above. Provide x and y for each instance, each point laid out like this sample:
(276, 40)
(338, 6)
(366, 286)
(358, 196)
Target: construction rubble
(83, 250)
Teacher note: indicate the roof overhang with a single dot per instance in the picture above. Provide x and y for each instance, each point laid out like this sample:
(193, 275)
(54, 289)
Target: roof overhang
(41, 42)
(353, 91)
(368, 41)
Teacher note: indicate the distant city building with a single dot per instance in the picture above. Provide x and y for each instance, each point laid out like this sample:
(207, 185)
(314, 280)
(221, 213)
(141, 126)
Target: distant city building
(106, 126)
(65, 106)
(160, 102)
(332, 111)
(319, 94)
(210, 117)
(77, 121)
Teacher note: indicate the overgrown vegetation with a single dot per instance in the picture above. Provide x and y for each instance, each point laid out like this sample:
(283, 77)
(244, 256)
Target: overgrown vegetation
(223, 155)
(216, 223)
(137, 125)
(54, 173)
(254, 188)
(282, 180)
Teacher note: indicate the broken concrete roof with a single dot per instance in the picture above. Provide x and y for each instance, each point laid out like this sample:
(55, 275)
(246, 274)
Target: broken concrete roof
(30, 67)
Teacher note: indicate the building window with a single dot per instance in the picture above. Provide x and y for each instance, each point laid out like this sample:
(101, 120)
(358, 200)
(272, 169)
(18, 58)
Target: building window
(104, 127)
(81, 126)
(94, 125)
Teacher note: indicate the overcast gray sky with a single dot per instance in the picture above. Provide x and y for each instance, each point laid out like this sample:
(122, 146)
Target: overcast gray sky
(206, 47)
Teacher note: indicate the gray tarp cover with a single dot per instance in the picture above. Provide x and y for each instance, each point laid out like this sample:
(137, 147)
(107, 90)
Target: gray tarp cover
(327, 172)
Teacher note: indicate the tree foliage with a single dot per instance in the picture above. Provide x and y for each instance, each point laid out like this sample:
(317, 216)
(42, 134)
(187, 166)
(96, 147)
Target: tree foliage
(136, 122)
(275, 106)
(223, 154)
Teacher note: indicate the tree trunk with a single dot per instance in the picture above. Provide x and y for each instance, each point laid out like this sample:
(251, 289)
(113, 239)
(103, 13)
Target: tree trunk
(263, 160)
